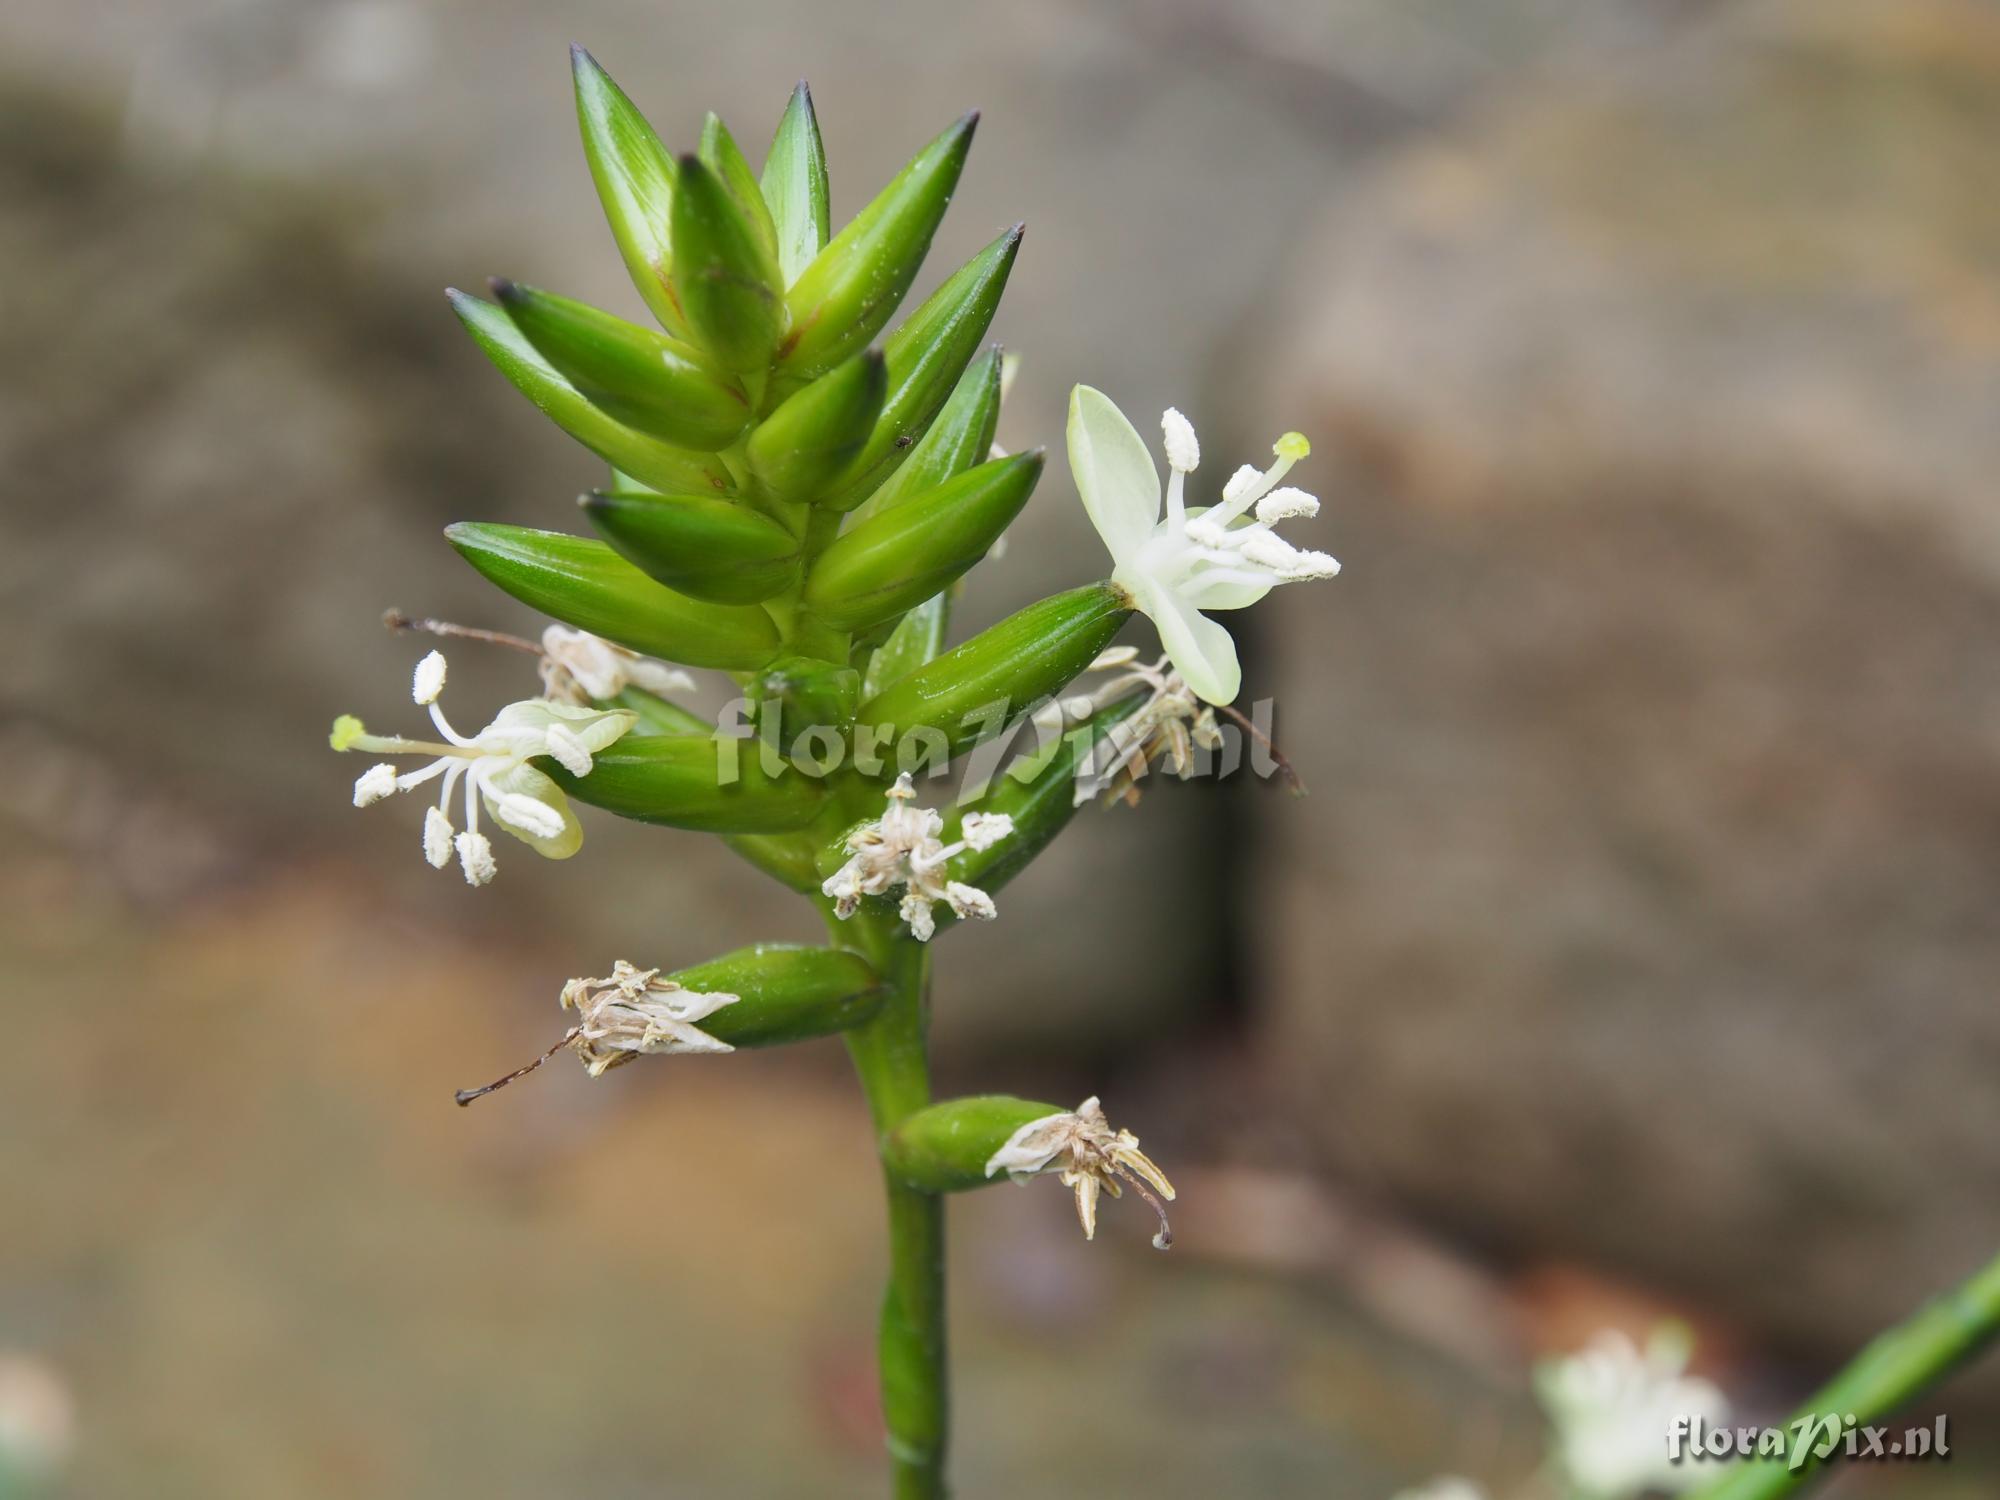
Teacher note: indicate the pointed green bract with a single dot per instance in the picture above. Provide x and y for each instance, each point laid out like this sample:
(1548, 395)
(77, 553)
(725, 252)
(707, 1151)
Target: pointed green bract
(899, 559)
(706, 548)
(725, 278)
(784, 993)
(925, 358)
(646, 458)
(960, 436)
(795, 186)
(722, 156)
(633, 375)
(944, 1148)
(584, 583)
(981, 687)
(851, 289)
(917, 638)
(635, 181)
(697, 781)
(818, 432)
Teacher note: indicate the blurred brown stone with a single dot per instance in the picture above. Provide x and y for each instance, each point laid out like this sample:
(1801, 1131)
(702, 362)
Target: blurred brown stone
(1645, 904)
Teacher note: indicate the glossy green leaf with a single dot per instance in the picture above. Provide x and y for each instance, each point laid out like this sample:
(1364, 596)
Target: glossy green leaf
(636, 376)
(851, 289)
(945, 1147)
(722, 156)
(584, 583)
(979, 688)
(897, 560)
(784, 993)
(646, 458)
(634, 174)
(706, 548)
(926, 358)
(817, 432)
(707, 782)
(795, 186)
(959, 437)
(725, 277)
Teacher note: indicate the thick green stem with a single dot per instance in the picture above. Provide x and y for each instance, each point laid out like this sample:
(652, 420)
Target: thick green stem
(890, 1057)
(1899, 1365)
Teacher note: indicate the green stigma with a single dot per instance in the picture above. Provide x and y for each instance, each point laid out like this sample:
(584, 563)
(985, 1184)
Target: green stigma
(346, 730)
(1292, 445)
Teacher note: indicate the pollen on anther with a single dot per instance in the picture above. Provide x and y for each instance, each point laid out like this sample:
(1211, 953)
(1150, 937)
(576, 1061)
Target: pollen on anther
(1183, 451)
(428, 680)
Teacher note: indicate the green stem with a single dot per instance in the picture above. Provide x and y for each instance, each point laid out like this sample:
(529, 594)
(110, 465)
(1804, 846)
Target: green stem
(1899, 1365)
(891, 1058)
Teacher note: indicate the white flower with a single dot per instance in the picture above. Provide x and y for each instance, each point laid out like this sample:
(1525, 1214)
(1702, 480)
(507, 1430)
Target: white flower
(1166, 726)
(1177, 564)
(495, 765)
(1447, 1487)
(1088, 1158)
(1614, 1408)
(578, 667)
(635, 1011)
(902, 847)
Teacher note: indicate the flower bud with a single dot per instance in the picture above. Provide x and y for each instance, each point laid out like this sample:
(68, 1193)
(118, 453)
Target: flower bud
(585, 584)
(795, 186)
(785, 993)
(818, 431)
(695, 781)
(635, 180)
(897, 560)
(725, 275)
(925, 358)
(976, 689)
(840, 301)
(705, 547)
(647, 459)
(960, 436)
(946, 1147)
(635, 376)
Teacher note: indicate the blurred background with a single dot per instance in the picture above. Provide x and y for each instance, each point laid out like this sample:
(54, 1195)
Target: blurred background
(1634, 954)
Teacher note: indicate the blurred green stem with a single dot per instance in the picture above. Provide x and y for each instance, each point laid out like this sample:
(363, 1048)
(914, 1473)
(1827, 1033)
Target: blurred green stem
(1899, 1365)
(890, 1057)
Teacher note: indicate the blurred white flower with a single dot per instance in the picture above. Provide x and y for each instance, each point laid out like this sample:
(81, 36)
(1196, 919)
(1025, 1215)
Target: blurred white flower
(1446, 1487)
(1177, 564)
(578, 667)
(37, 1419)
(1614, 1408)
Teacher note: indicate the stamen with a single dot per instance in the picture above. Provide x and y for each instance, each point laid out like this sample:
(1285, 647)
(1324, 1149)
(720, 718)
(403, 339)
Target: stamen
(466, 1096)
(1164, 1239)
(428, 679)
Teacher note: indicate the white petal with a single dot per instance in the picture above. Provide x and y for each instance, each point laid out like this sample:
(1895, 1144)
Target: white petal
(428, 680)
(1201, 650)
(1114, 473)
(501, 790)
